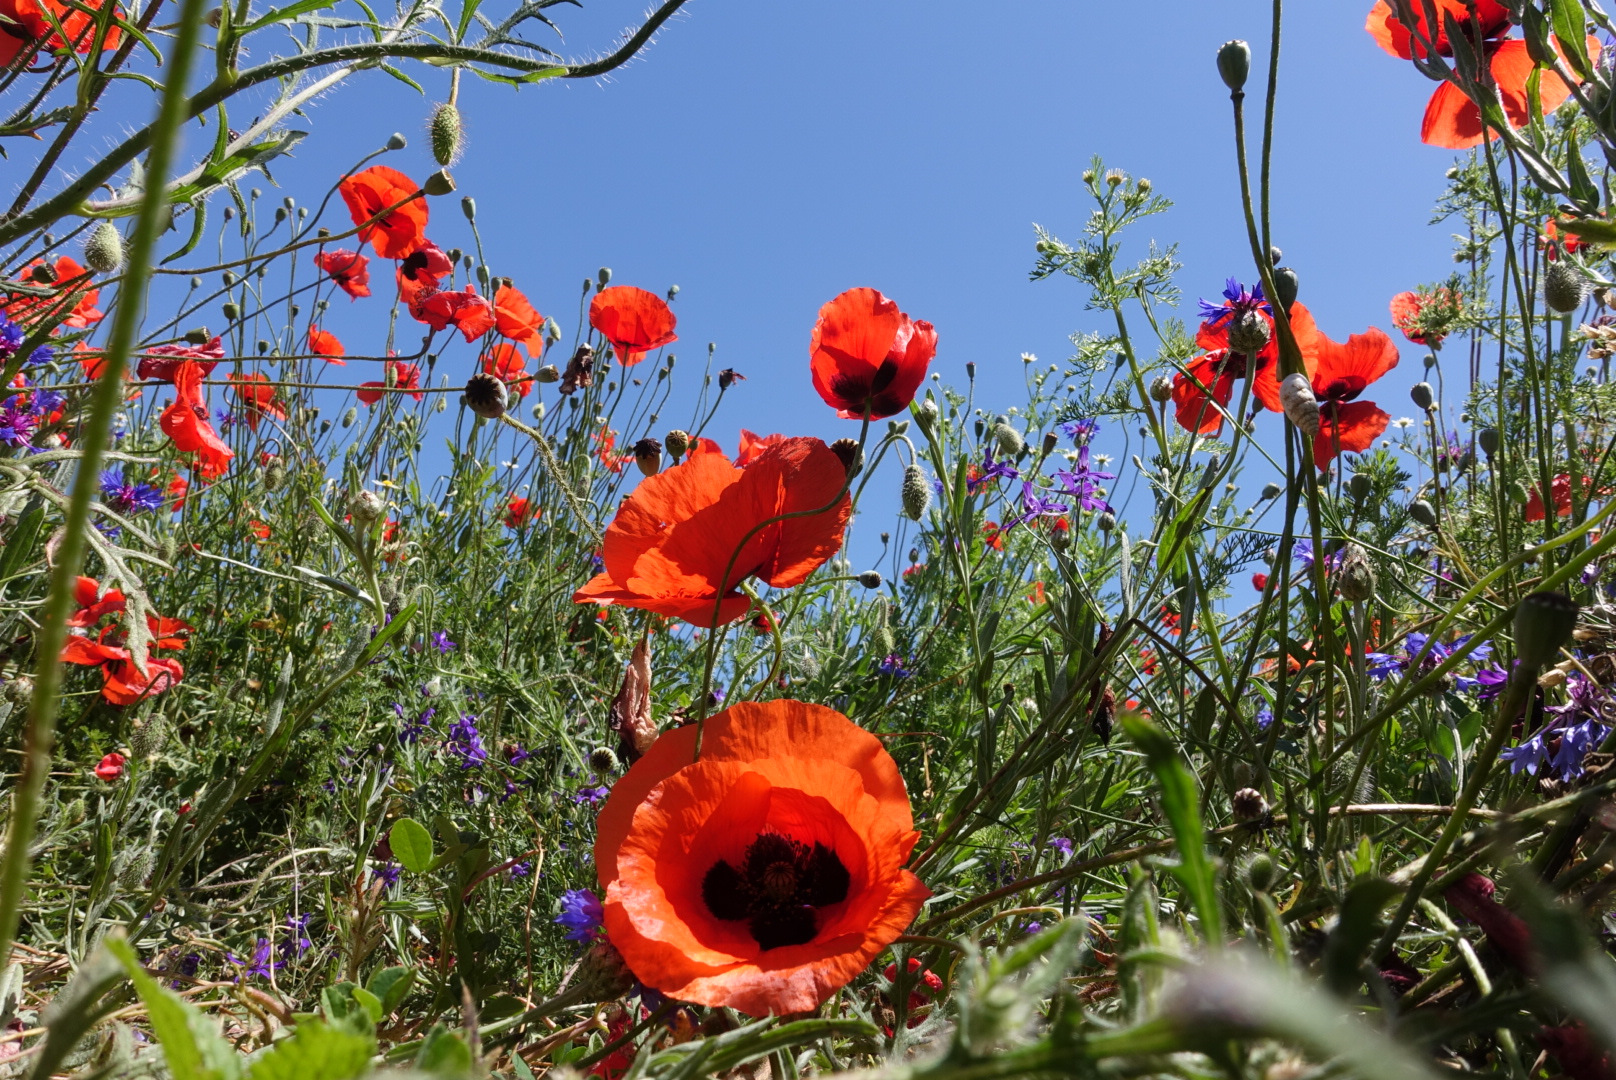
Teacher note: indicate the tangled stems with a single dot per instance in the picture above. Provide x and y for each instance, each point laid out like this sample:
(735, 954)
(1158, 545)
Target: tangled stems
(575, 502)
(41, 735)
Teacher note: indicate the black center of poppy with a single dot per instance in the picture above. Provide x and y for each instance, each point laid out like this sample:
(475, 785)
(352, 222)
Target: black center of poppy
(780, 883)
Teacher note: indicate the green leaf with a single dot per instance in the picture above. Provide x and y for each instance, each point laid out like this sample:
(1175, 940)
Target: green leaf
(401, 77)
(444, 1053)
(316, 1051)
(1181, 804)
(1584, 192)
(19, 546)
(391, 984)
(1593, 230)
(192, 1045)
(290, 11)
(1356, 929)
(199, 221)
(1571, 31)
(411, 844)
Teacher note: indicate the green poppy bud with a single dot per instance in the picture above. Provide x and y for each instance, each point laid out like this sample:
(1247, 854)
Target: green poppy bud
(444, 131)
(439, 183)
(1260, 872)
(103, 251)
(1234, 64)
(916, 492)
(1488, 438)
(1161, 389)
(1423, 512)
(350, 416)
(1286, 286)
(1422, 395)
(1543, 624)
(676, 443)
(1008, 438)
(396, 141)
(232, 311)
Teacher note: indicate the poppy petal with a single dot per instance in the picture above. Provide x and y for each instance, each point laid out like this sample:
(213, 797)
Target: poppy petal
(1347, 426)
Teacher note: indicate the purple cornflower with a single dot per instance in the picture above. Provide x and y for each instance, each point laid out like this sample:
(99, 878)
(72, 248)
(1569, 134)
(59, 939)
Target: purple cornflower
(1081, 482)
(520, 870)
(466, 742)
(1577, 727)
(1590, 574)
(126, 497)
(17, 424)
(893, 665)
(1236, 301)
(387, 873)
(582, 914)
(990, 471)
(1034, 505)
(1487, 684)
(297, 943)
(1383, 665)
(441, 642)
(1265, 718)
(1080, 431)
(226, 420)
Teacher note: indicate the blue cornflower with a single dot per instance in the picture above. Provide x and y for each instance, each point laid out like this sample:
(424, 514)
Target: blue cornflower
(1236, 301)
(1577, 727)
(11, 336)
(582, 914)
(17, 424)
(42, 355)
(893, 665)
(1081, 431)
(125, 497)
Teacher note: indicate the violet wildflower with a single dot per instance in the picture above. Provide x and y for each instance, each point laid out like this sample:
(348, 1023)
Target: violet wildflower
(1034, 505)
(441, 642)
(261, 964)
(123, 496)
(1265, 717)
(466, 742)
(893, 665)
(520, 870)
(1062, 845)
(591, 794)
(11, 336)
(990, 471)
(582, 914)
(17, 423)
(387, 873)
(298, 942)
(1236, 302)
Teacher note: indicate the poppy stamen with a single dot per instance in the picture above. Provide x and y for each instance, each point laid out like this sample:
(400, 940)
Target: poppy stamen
(780, 884)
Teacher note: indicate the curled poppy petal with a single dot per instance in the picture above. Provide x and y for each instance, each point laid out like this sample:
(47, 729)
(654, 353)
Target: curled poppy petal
(186, 422)
(257, 399)
(633, 320)
(1347, 426)
(671, 546)
(400, 376)
(426, 265)
(1453, 121)
(324, 343)
(766, 875)
(161, 361)
(519, 320)
(349, 269)
(399, 231)
(1391, 34)
(865, 352)
(753, 445)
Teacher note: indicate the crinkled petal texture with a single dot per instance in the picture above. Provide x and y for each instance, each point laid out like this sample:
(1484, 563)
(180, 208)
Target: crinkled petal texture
(1392, 35)
(864, 349)
(1453, 121)
(786, 768)
(1347, 426)
(399, 232)
(185, 422)
(1345, 368)
(1204, 382)
(633, 320)
(668, 547)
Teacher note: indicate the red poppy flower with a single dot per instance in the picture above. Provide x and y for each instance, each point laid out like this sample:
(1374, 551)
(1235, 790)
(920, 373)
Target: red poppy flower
(1425, 318)
(186, 422)
(110, 767)
(1393, 36)
(72, 282)
(1213, 336)
(1202, 391)
(258, 529)
(766, 875)
(672, 539)
(464, 309)
(398, 232)
(426, 265)
(864, 351)
(257, 399)
(161, 361)
(993, 535)
(400, 376)
(324, 343)
(753, 445)
(505, 363)
(520, 511)
(178, 487)
(518, 320)
(633, 320)
(123, 682)
(606, 450)
(1553, 242)
(1259, 582)
(1342, 373)
(349, 269)
(1038, 595)
(30, 23)
(1560, 491)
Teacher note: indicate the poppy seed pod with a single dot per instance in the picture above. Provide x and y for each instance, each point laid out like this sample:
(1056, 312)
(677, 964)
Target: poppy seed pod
(1249, 332)
(487, 396)
(1488, 438)
(397, 141)
(1286, 286)
(439, 183)
(916, 493)
(103, 251)
(728, 377)
(1422, 395)
(1260, 872)
(1271, 491)
(1300, 405)
(444, 130)
(1247, 804)
(468, 207)
(676, 442)
(231, 312)
(1161, 389)
(851, 455)
(1234, 64)
(1355, 576)
(648, 456)
(1544, 622)
(1008, 438)
(926, 414)
(198, 336)
(1564, 287)
(602, 760)
(870, 579)
(1423, 512)
(604, 276)
(1051, 440)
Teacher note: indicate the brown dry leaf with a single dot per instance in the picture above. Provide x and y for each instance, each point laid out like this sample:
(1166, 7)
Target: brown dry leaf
(631, 708)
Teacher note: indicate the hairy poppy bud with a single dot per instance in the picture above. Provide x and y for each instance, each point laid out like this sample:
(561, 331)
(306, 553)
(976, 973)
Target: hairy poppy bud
(870, 579)
(19, 691)
(275, 473)
(1234, 64)
(1260, 872)
(42, 274)
(486, 395)
(549, 373)
(648, 456)
(103, 251)
(1106, 521)
(396, 141)
(676, 442)
(602, 760)
(1161, 389)
(444, 130)
(1355, 576)
(916, 492)
(1286, 287)
(198, 336)
(1422, 395)
(1248, 804)
(1564, 287)
(1543, 624)
(1249, 332)
(1008, 438)
(926, 414)
(1301, 407)
(350, 416)
(146, 738)
(1360, 485)
(851, 453)
(1488, 438)
(1051, 440)
(1423, 512)
(366, 507)
(1271, 491)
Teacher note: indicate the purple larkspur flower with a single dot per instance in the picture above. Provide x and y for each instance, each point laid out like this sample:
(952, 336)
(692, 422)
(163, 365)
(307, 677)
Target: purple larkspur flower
(466, 742)
(1062, 845)
(515, 755)
(441, 642)
(1034, 505)
(991, 470)
(387, 873)
(520, 870)
(297, 941)
(262, 963)
(582, 914)
(591, 794)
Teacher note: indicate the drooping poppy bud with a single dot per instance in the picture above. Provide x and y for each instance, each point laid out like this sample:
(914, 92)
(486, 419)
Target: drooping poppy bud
(1260, 872)
(916, 492)
(486, 395)
(1234, 64)
(851, 454)
(1355, 576)
(1544, 622)
(1161, 389)
(1247, 804)
(1299, 403)
(1423, 512)
(870, 579)
(1488, 438)
(1008, 438)
(103, 251)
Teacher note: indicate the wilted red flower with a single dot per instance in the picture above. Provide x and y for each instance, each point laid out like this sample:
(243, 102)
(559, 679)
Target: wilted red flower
(349, 269)
(865, 352)
(1452, 120)
(518, 320)
(186, 422)
(72, 282)
(672, 540)
(505, 363)
(400, 376)
(1342, 373)
(257, 399)
(1472, 896)
(426, 265)
(398, 232)
(766, 875)
(110, 767)
(633, 320)
(324, 343)
(752, 445)
(1425, 317)
(520, 511)
(161, 361)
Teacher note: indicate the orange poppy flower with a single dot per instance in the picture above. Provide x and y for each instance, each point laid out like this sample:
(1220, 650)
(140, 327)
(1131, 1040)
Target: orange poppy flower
(349, 269)
(518, 320)
(258, 529)
(398, 232)
(1205, 380)
(72, 282)
(993, 535)
(123, 683)
(1342, 373)
(258, 400)
(753, 445)
(400, 376)
(766, 875)
(324, 343)
(505, 363)
(464, 309)
(864, 351)
(668, 547)
(186, 422)
(520, 511)
(633, 320)
(29, 24)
